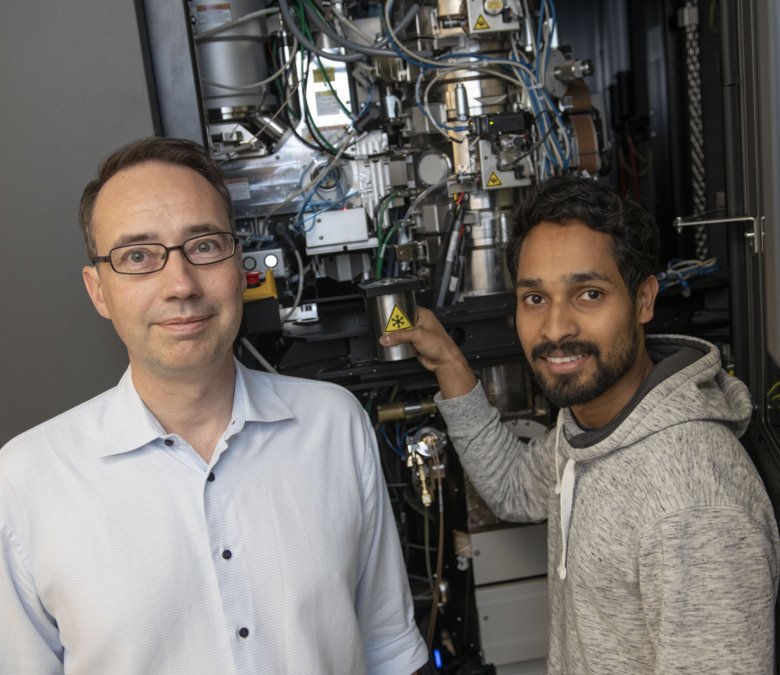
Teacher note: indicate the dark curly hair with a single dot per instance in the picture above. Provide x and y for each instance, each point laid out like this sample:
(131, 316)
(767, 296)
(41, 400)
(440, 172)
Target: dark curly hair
(174, 151)
(563, 199)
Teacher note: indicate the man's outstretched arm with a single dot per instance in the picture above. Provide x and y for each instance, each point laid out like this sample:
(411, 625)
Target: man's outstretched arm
(437, 352)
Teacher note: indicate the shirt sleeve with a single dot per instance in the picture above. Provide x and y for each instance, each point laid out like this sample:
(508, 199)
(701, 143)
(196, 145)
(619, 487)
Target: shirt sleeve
(29, 640)
(384, 607)
(511, 476)
(707, 578)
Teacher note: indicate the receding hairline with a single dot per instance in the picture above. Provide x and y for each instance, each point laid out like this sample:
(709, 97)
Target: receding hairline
(123, 172)
(153, 149)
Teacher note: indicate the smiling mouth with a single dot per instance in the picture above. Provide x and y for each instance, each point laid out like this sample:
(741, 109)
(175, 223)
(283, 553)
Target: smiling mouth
(563, 359)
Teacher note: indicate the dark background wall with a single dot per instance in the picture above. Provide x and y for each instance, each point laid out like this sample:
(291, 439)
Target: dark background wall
(73, 87)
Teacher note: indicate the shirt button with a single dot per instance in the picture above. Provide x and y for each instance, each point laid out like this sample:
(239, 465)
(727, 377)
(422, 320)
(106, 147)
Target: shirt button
(211, 477)
(168, 442)
(226, 554)
(243, 632)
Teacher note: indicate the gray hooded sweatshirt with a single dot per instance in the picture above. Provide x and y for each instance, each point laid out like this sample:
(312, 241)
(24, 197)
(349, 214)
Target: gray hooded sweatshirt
(662, 547)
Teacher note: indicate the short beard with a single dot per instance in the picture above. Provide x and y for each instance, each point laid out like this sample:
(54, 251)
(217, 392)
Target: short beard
(564, 391)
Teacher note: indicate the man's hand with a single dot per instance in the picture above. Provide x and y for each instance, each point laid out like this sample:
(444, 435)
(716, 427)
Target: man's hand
(437, 352)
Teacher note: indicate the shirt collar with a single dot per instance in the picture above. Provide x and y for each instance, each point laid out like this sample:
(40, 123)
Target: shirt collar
(129, 425)
(256, 394)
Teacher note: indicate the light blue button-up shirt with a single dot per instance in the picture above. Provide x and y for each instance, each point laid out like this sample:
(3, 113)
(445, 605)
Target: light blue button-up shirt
(123, 551)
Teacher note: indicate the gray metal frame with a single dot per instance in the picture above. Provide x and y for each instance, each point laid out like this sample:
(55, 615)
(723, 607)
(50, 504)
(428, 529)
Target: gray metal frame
(174, 69)
(749, 31)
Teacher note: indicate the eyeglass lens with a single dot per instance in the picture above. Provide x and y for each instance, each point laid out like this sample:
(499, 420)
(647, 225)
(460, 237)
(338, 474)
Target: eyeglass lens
(145, 258)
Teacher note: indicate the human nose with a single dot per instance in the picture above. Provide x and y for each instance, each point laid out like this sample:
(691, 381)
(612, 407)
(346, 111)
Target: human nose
(559, 323)
(180, 275)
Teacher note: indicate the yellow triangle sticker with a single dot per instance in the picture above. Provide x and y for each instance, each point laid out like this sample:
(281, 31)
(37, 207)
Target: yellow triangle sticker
(481, 24)
(397, 321)
(494, 181)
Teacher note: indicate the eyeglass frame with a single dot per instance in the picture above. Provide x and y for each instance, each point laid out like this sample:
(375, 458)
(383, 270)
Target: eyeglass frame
(168, 249)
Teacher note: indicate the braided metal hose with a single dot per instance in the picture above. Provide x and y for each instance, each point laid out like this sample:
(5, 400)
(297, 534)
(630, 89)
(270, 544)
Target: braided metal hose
(688, 17)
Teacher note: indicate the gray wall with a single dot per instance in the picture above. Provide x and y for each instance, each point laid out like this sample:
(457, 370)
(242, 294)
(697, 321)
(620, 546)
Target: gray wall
(72, 88)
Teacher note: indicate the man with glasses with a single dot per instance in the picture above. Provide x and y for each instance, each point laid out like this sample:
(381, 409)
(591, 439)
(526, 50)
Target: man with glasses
(199, 517)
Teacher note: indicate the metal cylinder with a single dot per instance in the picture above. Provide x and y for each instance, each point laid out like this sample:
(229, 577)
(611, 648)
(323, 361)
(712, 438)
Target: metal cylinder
(271, 129)
(391, 306)
(480, 93)
(461, 103)
(399, 410)
(487, 273)
(234, 57)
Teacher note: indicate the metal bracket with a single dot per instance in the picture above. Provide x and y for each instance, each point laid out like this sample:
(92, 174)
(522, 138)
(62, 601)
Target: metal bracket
(755, 236)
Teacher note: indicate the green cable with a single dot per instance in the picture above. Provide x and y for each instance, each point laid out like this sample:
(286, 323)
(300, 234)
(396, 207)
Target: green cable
(380, 237)
(322, 68)
(333, 91)
(316, 133)
(279, 81)
(315, 130)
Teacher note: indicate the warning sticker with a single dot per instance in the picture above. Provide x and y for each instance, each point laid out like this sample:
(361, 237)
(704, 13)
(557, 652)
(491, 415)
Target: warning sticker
(494, 181)
(481, 24)
(397, 321)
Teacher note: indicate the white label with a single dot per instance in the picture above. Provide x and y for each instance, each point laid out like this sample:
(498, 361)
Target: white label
(213, 14)
(326, 103)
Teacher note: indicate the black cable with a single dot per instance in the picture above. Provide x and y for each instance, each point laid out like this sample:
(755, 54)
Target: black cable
(289, 21)
(317, 145)
(402, 24)
(315, 131)
(326, 28)
(540, 142)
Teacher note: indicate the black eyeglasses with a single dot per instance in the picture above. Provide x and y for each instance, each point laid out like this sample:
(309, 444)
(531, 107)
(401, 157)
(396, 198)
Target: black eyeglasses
(145, 258)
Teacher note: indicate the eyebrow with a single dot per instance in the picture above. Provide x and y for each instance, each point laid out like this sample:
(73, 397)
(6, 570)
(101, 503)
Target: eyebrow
(154, 237)
(568, 279)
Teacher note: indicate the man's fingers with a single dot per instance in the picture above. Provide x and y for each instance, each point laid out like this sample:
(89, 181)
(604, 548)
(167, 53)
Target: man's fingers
(396, 337)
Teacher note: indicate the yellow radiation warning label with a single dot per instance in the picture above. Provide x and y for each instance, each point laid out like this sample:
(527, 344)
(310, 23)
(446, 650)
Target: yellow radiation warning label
(494, 181)
(397, 321)
(481, 24)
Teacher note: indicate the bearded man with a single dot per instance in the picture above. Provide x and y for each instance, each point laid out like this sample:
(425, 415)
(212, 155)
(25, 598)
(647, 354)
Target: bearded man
(663, 547)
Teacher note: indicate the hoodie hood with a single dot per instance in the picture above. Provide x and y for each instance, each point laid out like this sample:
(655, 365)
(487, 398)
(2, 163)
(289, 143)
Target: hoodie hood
(686, 384)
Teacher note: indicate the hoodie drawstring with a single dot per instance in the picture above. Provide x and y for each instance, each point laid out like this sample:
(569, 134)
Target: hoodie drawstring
(567, 499)
(565, 488)
(558, 428)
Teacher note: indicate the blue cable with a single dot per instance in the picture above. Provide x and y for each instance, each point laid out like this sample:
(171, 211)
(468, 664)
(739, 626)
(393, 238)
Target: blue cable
(326, 206)
(672, 277)
(539, 35)
(394, 45)
(404, 56)
(367, 102)
(390, 444)
(315, 189)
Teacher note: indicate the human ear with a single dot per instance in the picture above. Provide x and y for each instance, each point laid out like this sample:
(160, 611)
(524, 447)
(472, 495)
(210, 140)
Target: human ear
(645, 299)
(95, 290)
